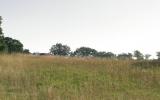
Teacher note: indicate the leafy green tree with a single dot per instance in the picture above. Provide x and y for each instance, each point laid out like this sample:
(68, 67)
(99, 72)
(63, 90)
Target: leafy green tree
(158, 55)
(72, 54)
(125, 56)
(105, 54)
(26, 51)
(13, 45)
(85, 51)
(138, 55)
(147, 56)
(101, 54)
(59, 49)
(2, 44)
(110, 55)
(1, 33)
(8, 44)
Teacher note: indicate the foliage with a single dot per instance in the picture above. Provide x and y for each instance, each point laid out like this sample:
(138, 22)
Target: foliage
(2, 44)
(101, 54)
(1, 33)
(26, 51)
(158, 55)
(124, 56)
(105, 54)
(85, 51)
(72, 54)
(147, 56)
(138, 55)
(59, 49)
(13, 45)
(8, 44)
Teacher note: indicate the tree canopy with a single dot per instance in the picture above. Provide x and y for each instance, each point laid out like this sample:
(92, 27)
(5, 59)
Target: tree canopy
(0, 26)
(138, 55)
(59, 49)
(85, 51)
(124, 56)
(9, 45)
(2, 44)
(13, 45)
(26, 51)
(105, 54)
(158, 55)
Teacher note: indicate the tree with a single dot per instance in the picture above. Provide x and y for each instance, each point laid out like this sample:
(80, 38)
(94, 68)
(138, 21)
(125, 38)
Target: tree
(105, 54)
(101, 54)
(138, 55)
(59, 49)
(1, 33)
(110, 55)
(13, 45)
(125, 56)
(85, 51)
(8, 44)
(72, 54)
(2, 44)
(158, 55)
(147, 56)
(26, 51)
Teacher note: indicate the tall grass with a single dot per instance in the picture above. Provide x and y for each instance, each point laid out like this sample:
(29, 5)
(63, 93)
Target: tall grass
(24, 77)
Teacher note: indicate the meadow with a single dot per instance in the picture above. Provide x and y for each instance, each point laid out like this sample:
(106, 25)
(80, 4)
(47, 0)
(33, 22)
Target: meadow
(27, 77)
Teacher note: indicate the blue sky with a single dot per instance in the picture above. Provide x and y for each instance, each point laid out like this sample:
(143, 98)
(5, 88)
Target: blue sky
(106, 25)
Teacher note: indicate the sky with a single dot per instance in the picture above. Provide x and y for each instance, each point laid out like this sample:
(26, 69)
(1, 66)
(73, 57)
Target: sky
(105, 25)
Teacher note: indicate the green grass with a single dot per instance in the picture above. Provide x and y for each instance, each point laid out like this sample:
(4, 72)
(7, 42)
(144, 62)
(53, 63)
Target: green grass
(24, 77)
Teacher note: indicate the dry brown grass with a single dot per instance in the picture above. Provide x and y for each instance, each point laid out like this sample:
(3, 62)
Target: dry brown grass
(26, 77)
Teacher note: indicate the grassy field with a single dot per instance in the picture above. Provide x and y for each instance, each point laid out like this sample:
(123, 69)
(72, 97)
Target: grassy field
(25, 77)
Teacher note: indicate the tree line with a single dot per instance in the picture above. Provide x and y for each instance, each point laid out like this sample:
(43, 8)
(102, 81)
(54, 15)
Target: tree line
(64, 50)
(10, 45)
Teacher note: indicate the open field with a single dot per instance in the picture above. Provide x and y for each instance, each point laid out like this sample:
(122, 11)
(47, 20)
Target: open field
(25, 77)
